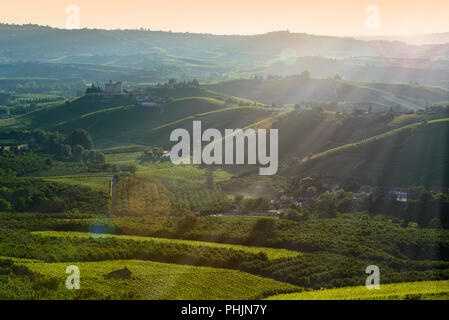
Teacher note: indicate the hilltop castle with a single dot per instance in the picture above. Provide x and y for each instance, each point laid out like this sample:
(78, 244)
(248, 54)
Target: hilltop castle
(113, 89)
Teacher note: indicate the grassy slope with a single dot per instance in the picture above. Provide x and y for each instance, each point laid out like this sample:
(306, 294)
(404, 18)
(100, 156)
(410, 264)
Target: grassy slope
(154, 281)
(120, 121)
(271, 253)
(133, 120)
(415, 154)
(285, 91)
(397, 291)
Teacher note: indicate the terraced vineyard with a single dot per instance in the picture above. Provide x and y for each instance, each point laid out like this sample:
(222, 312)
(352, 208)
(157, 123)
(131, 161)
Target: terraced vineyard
(397, 291)
(271, 253)
(96, 182)
(159, 281)
(375, 138)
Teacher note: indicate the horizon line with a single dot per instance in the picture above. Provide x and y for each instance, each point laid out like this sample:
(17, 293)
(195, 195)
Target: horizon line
(143, 29)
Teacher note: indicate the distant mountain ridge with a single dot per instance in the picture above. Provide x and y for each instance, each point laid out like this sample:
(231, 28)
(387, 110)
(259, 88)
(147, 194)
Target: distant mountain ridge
(419, 39)
(143, 56)
(37, 43)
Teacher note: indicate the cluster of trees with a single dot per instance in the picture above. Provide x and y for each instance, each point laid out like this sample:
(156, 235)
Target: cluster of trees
(77, 146)
(32, 195)
(17, 162)
(213, 207)
(247, 205)
(295, 214)
(240, 203)
(422, 207)
(4, 98)
(19, 109)
(25, 86)
(93, 89)
(16, 105)
(305, 187)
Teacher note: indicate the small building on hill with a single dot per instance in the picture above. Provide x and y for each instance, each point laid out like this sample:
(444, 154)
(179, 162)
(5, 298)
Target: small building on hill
(120, 274)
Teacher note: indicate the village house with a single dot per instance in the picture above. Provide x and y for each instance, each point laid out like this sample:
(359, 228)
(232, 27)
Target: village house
(18, 146)
(286, 201)
(399, 194)
(149, 100)
(166, 154)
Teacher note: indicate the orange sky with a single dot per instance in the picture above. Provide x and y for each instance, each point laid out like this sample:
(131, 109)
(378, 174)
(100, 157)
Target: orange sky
(333, 17)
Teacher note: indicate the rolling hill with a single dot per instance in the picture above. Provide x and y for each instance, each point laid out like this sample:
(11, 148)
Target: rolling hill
(146, 56)
(367, 69)
(412, 155)
(163, 281)
(120, 120)
(294, 90)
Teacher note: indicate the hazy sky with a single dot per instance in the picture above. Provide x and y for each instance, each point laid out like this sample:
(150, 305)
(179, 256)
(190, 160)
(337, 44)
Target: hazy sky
(333, 17)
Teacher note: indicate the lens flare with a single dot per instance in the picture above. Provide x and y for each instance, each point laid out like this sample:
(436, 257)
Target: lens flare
(101, 228)
(288, 56)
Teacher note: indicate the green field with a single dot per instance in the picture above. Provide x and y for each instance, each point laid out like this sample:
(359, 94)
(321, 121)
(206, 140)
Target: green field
(96, 182)
(161, 281)
(397, 291)
(271, 253)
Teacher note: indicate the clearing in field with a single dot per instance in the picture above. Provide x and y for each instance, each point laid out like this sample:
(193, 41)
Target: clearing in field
(162, 281)
(435, 290)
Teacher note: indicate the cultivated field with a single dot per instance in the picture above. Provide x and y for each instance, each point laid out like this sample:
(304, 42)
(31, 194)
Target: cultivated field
(153, 280)
(397, 291)
(271, 253)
